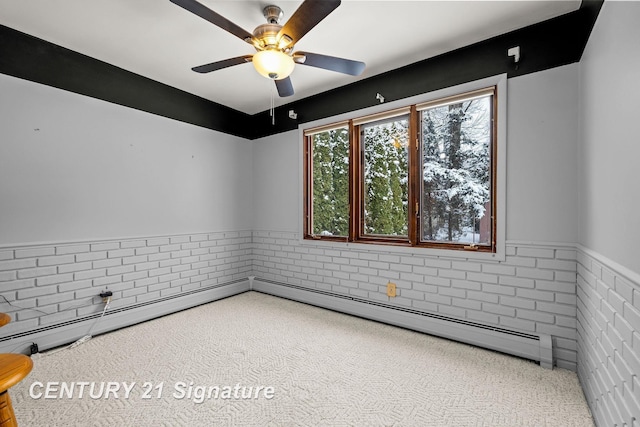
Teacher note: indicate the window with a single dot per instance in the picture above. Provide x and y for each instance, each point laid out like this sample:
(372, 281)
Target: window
(422, 175)
(456, 138)
(328, 182)
(383, 146)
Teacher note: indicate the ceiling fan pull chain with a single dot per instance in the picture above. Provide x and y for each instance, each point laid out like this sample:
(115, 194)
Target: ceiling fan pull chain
(272, 110)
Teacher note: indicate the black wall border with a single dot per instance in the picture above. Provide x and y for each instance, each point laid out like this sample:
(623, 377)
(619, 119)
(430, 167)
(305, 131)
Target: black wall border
(548, 44)
(34, 59)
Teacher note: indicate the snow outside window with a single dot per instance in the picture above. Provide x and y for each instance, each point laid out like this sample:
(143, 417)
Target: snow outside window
(422, 175)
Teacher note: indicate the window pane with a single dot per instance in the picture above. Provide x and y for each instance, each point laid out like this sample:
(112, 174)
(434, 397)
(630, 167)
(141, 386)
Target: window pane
(386, 172)
(331, 182)
(456, 172)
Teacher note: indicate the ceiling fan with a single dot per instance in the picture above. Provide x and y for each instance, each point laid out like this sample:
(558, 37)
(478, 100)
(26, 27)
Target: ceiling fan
(275, 58)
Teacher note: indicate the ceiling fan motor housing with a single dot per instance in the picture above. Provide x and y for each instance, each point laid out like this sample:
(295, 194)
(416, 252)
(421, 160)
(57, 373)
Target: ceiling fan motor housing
(267, 34)
(273, 14)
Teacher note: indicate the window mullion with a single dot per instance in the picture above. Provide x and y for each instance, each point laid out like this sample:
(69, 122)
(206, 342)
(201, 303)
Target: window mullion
(308, 186)
(414, 175)
(494, 170)
(354, 173)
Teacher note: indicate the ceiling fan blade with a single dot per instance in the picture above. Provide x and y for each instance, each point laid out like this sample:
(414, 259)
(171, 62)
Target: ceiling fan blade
(333, 63)
(285, 88)
(205, 13)
(218, 65)
(307, 16)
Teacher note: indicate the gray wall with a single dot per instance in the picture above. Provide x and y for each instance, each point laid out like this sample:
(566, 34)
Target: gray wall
(94, 196)
(610, 148)
(541, 165)
(74, 167)
(533, 290)
(276, 182)
(608, 256)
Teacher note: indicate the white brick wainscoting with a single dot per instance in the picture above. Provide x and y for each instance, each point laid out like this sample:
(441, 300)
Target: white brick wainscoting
(609, 339)
(53, 288)
(594, 329)
(532, 291)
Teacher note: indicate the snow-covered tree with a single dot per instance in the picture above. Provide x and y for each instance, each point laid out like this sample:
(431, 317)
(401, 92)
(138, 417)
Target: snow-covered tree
(456, 172)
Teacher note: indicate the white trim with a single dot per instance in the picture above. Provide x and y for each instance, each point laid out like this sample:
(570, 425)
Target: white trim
(616, 268)
(283, 234)
(536, 243)
(291, 234)
(57, 336)
(539, 349)
(407, 250)
(10, 246)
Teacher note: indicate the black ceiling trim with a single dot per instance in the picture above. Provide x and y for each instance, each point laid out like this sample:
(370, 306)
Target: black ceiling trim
(552, 43)
(548, 44)
(34, 59)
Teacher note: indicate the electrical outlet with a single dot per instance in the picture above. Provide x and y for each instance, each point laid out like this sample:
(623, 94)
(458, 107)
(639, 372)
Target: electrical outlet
(105, 295)
(391, 290)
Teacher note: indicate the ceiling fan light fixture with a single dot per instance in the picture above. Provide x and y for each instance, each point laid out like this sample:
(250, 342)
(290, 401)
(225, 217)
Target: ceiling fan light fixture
(275, 58)
(273, 64)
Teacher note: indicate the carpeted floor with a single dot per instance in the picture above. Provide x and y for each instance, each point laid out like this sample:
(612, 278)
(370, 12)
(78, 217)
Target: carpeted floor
(323, 369)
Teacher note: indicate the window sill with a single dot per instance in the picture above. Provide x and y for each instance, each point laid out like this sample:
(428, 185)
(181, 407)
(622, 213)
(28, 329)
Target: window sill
(401, 249)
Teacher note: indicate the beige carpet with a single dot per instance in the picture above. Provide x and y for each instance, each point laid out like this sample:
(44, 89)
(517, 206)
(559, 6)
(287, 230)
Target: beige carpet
(326, 369)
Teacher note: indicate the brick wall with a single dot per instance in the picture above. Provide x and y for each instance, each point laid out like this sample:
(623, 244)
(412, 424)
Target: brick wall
(533, 290)
(609, 340)
(60, 282)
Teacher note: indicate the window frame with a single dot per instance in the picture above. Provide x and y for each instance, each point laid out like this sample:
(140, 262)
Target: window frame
(413, 244)
(308, 180)
(464, 96)
(358, 234)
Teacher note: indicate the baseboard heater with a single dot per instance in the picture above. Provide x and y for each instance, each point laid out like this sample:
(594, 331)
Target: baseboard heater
(67, 332)
(517, 343)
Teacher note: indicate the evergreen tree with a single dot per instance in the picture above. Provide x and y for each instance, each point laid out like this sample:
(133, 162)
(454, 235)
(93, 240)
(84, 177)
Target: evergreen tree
(386, 177)
(331, 182)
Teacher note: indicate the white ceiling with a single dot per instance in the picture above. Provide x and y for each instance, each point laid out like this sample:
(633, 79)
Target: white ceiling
(159, 40)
